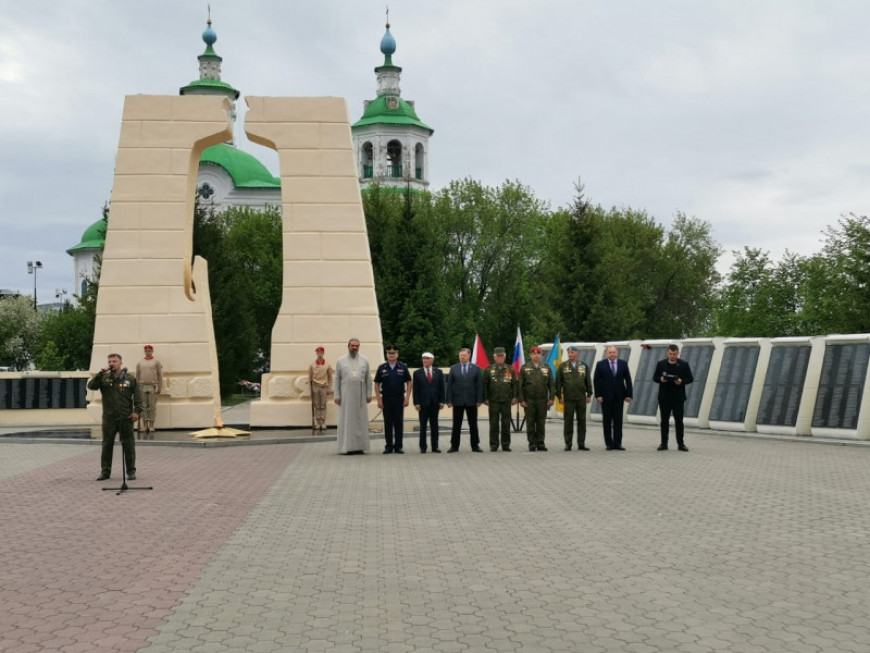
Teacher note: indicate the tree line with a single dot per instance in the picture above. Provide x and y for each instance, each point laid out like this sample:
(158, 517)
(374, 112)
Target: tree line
(471, 258)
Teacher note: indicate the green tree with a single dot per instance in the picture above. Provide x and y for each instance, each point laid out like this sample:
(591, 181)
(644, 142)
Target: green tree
(66, 339)
(493, 246)
(760, 298)
(245, 266)
(19, 330)
(837, 280)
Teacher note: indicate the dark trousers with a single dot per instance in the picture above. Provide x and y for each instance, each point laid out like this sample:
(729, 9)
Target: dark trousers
(428, 415)
(470, 413)
(499, 416)
(124, 427)
(536, 422)
(675, 407)
(611, 419)
(575, 410)
(394, 418)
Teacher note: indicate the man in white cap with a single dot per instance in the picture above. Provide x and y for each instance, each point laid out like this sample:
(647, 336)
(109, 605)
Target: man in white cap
(429, 395)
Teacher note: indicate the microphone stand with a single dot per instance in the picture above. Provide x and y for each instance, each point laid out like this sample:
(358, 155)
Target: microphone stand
(124, 487)
(516, 423)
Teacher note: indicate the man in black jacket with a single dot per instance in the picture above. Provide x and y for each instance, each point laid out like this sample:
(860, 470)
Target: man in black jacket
(464, 395)
(672, 374)
(428, 400)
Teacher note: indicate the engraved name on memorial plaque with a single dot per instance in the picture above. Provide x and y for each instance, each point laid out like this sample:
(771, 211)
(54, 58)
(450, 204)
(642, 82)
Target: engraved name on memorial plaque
(841, 385)
(646, 391)
(734, 384)
(699, 358)
(784, 385)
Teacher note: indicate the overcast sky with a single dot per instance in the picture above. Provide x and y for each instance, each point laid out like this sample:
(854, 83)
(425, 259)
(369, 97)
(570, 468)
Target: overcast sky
(753, 115)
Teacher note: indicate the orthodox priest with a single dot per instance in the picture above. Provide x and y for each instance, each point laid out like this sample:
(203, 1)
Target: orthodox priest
(353, 390)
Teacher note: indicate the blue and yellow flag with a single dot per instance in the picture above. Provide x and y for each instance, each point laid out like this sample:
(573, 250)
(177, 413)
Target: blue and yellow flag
(553, 360)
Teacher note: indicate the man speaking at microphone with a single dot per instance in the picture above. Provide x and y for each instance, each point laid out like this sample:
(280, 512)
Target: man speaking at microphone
(121, 406)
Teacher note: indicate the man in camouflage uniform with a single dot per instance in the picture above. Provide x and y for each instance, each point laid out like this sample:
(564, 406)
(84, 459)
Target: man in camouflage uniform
(536, 396)
(122, 404)
(574, 390)
(499, 393)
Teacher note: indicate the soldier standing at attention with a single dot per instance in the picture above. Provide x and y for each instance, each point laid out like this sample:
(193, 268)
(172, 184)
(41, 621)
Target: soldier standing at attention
(122, 404)
(149, 374)
(320, 378)
(536, 396)
(574, 390)
(499, 393)
(393, 392)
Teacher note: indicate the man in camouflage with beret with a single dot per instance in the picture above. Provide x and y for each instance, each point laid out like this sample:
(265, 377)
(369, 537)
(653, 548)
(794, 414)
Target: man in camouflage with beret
(536, 396)
(499, 393)
(574, 390)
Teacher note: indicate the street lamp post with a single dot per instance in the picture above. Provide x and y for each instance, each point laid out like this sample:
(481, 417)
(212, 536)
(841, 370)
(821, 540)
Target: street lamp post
(60, 296)
(32, 267)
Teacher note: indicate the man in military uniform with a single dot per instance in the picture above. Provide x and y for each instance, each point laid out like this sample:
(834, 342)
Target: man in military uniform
(320, 378)
(536, 396)
(149, 376)
(122, 404)
(499, 393)
(393, 391)
(574, 390)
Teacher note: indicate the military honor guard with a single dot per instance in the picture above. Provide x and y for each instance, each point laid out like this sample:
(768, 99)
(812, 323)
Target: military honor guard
(320, 379)
(393, 392)
(149, 375)
(499, 394)
(574, 390)
(536, 392)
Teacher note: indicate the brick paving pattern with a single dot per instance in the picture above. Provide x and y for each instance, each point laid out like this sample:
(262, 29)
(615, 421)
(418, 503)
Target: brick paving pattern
(742, 545)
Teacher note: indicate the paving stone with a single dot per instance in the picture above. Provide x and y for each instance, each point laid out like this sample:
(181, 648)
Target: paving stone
(746, 545)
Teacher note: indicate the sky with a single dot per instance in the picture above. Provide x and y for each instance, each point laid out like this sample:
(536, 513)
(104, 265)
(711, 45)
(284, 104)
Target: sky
(753, 115)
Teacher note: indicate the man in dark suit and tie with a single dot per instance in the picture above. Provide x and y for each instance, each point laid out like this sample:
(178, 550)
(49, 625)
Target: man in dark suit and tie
(429, 399)
(612, 382)
(464, 395)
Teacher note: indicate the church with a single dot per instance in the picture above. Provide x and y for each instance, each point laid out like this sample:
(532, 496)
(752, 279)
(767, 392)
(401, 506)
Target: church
(391, 146)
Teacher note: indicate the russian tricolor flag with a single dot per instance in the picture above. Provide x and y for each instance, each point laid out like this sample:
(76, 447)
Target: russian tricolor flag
(519, 356)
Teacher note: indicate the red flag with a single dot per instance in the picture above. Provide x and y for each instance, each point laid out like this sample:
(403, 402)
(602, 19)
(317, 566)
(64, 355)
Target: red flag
(478, 353)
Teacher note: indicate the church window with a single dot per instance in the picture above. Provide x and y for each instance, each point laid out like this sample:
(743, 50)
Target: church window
(367, 161)
(394, 158)
(205, 191)
(418, 161)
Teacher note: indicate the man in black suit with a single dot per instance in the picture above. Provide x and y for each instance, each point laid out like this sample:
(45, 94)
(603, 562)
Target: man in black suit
(672, 374)
(464, 395)
(612, 382)
(428, 400)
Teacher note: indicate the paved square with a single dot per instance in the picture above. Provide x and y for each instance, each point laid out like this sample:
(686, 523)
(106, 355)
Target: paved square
(743, 545)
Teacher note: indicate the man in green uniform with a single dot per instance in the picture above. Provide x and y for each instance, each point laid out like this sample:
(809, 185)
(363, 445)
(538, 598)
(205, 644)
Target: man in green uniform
(536, 396)
(574, 390)
(122, 404)
(499, 393)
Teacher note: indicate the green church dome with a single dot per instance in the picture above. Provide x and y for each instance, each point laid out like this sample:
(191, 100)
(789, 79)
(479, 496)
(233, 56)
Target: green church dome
(390, 110)
(245, 169)
(94, 237)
